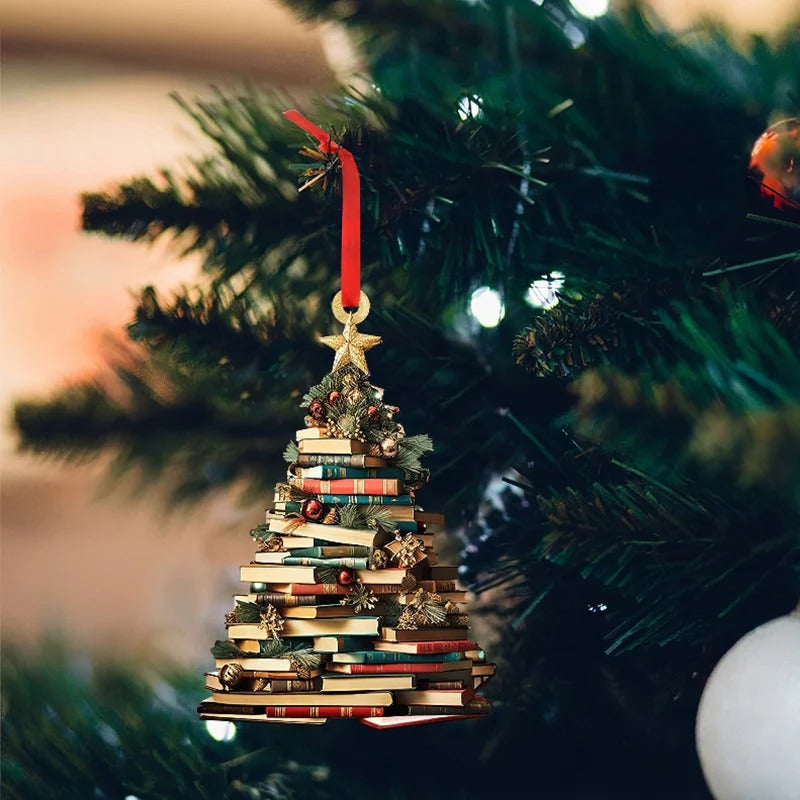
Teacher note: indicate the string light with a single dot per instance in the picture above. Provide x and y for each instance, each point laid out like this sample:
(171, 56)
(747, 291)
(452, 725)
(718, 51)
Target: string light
(220, 731)
(487, 307)
(590, 8)
(469, 107)
(543, 292)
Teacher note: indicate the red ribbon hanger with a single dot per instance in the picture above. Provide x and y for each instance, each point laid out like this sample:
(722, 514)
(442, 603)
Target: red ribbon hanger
(351, 209)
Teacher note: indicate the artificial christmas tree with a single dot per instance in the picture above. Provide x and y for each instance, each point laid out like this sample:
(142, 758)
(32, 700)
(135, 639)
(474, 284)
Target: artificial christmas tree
(349, 613)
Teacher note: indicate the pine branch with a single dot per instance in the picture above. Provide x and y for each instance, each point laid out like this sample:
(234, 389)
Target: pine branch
(730, 408)
(617, 328)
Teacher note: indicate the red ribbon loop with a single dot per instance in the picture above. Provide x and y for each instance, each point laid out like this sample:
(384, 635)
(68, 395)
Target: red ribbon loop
(351, 209)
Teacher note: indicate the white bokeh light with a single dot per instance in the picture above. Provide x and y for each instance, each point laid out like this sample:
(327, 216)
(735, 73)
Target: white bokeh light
(487, 307)
(220, 731)
(469, 107)
(590, 8)
(543, 292)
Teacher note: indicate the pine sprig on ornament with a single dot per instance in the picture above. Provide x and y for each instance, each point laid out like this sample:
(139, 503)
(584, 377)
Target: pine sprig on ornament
(246, 612)
(291, 452)
(348, 406)
(410, 449)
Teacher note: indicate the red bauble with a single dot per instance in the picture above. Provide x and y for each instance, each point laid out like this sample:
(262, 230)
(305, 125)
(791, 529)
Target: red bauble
(312, 509)
(345, 576)
(775, 163)
(333, 396)
(372, 412)
(421, 527)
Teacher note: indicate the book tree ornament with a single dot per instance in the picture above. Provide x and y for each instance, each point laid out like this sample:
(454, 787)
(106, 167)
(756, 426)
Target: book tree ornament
(347, 611)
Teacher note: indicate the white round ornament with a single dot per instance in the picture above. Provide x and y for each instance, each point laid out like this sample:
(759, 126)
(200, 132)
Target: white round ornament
(748, 722)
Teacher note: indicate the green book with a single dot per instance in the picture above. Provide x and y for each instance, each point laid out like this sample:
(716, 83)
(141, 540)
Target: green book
(367, 499)
(304, 561)
(379, 657)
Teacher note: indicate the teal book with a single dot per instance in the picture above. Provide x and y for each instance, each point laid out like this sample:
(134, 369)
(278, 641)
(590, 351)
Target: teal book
(379, 657)
(405, 526)
(302, 561)
(366, 499)
(333, 551)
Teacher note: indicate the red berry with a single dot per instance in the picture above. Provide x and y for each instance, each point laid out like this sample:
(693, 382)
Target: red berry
(345, 577)
(312, 509)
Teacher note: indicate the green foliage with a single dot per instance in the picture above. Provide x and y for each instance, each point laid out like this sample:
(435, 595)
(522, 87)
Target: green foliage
(247, 612)
(409, 450)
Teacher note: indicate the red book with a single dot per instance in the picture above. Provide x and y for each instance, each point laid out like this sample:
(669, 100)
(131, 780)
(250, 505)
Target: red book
(323, 711)
(426, 647)
(290, 712)
(375, 486)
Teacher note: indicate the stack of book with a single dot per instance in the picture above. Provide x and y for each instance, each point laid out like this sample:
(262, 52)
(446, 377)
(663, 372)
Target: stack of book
(348, 612)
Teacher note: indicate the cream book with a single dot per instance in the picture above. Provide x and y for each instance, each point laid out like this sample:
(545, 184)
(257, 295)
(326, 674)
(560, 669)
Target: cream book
(332, 447)
(303, 698)
(343, 626)
(255, 664)
(265, 718)
(311, 433)
(328, 533)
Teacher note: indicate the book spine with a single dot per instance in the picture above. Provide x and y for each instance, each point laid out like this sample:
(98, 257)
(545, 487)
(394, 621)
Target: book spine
(291, 712)
(303, 561)
(332, 446)
(251, 683)
(294, 685)
(355, 486)
(381, 657)
(323, 711)
(282, 600)
(332, 459)
(332, 472)
(443, 647)
(334, 588)
(273, 676)
(333, 551)
(428, 684)
(366, 499)
(401, 667)
(438, 586)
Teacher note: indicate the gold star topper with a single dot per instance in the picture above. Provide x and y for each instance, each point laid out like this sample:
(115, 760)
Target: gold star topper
(350, 345)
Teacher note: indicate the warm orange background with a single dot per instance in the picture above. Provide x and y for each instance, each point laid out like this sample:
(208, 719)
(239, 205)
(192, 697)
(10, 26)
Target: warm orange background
(84, 102)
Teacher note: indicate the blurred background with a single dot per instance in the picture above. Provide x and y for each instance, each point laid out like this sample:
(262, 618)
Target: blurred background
(85, 103)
